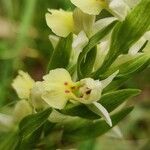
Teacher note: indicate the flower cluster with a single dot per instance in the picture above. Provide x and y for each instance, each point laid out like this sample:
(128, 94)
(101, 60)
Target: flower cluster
(60, 87)
(95, 48)
(56, 89)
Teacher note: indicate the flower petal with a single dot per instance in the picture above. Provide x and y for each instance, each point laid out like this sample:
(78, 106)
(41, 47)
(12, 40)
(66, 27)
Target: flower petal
(92, 7)
(60, 22)
(54, 40)
(102, 50)
(109, 79)
(78, 44)
(83, 21)
(102, 23)
(119, 9)
(137, 46)
(101, 111)
(132, 3)
(80, 41)
(23, 84)
(117, 132)
(58, 76)
(36, 93)
(55, 98)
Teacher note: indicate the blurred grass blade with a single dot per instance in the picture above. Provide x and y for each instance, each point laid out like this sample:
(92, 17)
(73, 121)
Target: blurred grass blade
(26, 19)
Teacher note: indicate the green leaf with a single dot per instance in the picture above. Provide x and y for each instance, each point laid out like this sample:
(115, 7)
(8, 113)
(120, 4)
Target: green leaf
(31, 141)
(61, 55)
(126, 33)
(87, 65)
(109, 100)
(90, 129)
(130, 67)
(32, 122)
(93, 41)
(114, 99)
(134, 66)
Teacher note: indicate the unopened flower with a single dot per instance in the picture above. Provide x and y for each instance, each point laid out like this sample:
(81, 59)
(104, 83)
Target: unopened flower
(23, 84)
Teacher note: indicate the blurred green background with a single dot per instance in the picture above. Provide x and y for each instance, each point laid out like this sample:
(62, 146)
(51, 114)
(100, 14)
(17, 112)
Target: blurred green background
(24, 44)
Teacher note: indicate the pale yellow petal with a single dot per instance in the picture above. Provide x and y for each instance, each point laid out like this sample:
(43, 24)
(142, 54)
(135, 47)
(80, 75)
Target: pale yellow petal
(102, 23)
(137, 46)
(54, 40)
(101, 111)
(92, 7)
(58, 76)
(102, 50)
(60, 22)
(36, 93)
(80, 42)
(119, 9)
(55, 98)
(108, 80)
(83, 21)
(23, 84)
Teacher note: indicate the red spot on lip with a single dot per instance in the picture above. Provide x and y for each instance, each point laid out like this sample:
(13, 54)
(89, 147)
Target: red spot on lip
(67, 91)
(66, 83)
(88, 92)
(73, 87)
(81, 96)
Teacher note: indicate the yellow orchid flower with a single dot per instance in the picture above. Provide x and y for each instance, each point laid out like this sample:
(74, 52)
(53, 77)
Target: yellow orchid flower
(58, 88)
(62, 23)
(92, 7)
(118, 8)
(23, 83)
(35, 97)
